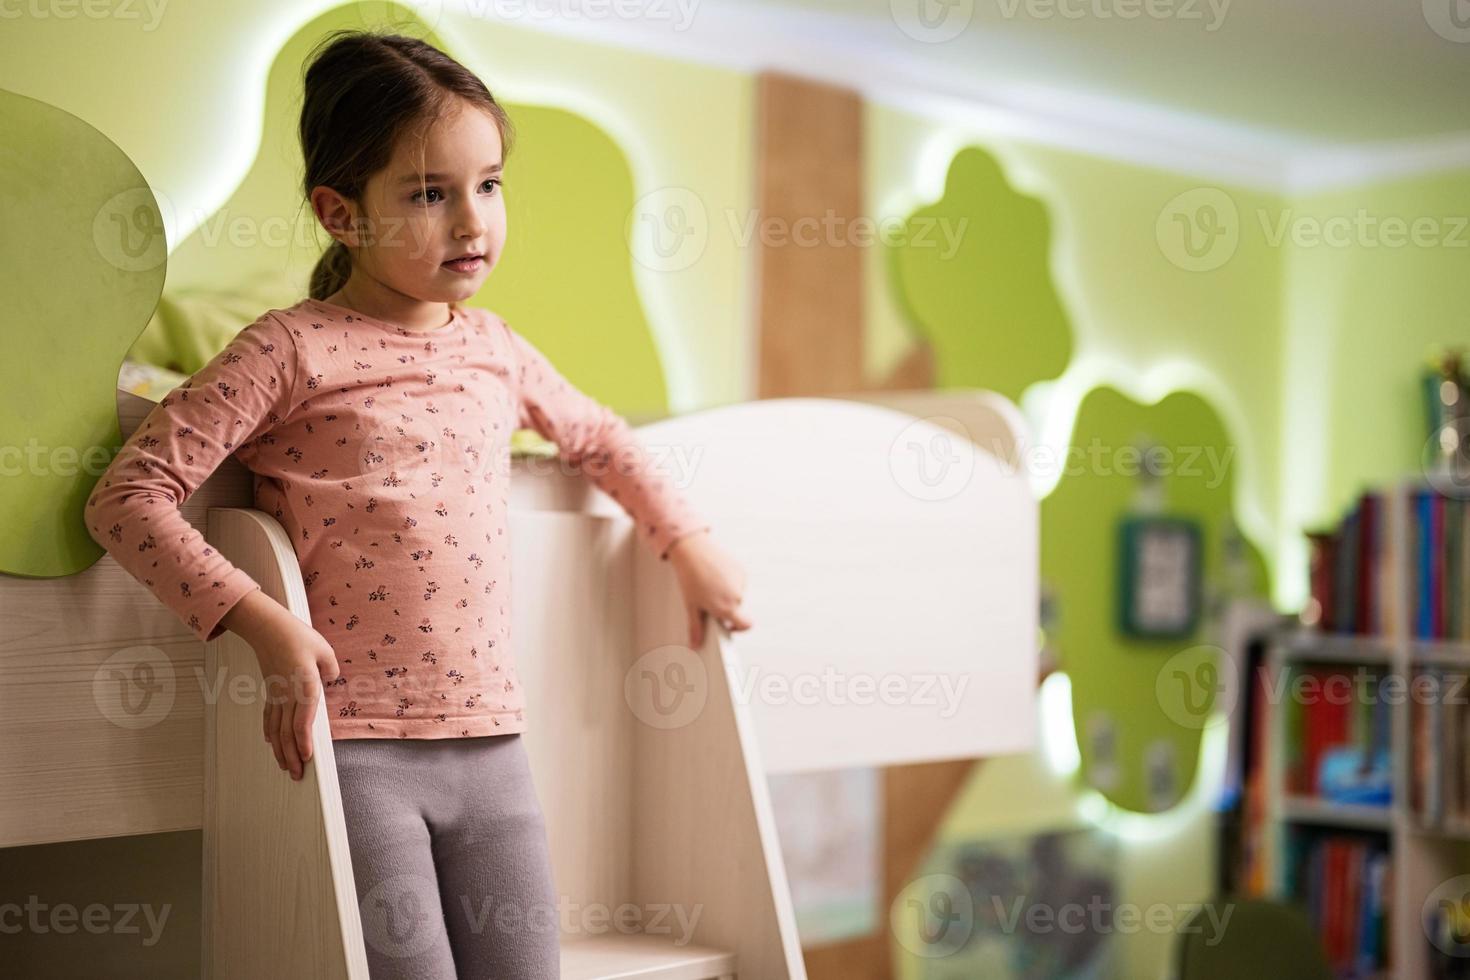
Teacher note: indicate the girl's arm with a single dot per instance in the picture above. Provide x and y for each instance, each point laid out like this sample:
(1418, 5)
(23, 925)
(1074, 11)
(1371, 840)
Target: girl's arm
(599, 441)
(133, 511)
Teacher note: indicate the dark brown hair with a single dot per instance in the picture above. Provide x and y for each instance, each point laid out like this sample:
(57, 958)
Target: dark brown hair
(363, 91)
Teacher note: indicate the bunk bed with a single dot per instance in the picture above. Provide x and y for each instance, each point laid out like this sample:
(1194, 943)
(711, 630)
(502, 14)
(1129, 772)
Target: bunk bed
(862, 564)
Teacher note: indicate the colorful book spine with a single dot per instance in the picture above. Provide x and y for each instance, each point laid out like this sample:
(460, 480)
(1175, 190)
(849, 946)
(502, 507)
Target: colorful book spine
(1436, 556)
(1449, 546)
(1424, 542)
(1343, 881)
(1333, 727)
(1367, 620)
(1439, 729)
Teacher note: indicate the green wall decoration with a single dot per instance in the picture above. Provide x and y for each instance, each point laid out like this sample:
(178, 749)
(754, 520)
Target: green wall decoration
(1112, 673)
(994, 315)
(78, 285)
(1139, 320)
(973, 273)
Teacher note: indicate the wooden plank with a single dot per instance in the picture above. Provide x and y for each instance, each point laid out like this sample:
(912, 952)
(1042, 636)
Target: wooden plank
(705, 839)
(641, 957)
(102, 706)
(572, 629)
(893, 591)
(278, 891)
(809, 173)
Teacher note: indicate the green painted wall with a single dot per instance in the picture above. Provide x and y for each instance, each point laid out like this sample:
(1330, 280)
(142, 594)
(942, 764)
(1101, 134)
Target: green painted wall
(1368, 299)
(1116, 677)
(1139, 319)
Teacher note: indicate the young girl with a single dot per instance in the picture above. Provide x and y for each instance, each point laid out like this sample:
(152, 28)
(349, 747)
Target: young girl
(376, 416)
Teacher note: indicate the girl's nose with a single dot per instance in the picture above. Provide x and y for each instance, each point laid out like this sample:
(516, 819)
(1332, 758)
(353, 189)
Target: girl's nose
(470, 224)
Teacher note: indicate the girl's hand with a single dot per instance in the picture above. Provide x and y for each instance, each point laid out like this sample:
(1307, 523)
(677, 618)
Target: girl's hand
(294, 661)
(295, 669)
(712, 583)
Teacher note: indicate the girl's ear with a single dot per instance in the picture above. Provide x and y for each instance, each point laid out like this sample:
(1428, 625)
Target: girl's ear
(337, 215)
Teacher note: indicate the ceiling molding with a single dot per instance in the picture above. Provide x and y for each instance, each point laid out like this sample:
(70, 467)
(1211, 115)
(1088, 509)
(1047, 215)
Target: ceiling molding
(860, 53)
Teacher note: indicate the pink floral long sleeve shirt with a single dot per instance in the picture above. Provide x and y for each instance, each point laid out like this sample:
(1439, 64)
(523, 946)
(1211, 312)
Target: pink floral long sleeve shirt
(384, 453)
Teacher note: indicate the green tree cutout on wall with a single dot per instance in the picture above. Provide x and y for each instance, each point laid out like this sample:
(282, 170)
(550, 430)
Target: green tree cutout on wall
(974, 277)
(79, 283)
(1124, 692)
(992, 313)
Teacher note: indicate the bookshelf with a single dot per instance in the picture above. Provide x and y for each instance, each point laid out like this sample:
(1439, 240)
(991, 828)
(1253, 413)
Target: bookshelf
(1391, 585)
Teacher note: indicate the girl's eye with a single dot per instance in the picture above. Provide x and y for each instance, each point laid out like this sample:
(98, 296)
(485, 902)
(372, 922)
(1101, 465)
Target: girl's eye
(421, 196)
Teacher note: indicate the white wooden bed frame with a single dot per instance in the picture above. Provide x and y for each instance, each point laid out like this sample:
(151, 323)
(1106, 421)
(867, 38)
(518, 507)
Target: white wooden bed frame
(111, 725)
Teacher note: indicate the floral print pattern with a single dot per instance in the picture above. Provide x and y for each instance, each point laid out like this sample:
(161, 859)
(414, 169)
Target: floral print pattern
(384, 453)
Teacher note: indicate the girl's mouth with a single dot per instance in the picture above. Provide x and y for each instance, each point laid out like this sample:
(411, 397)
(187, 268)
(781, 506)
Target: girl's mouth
(471, 264)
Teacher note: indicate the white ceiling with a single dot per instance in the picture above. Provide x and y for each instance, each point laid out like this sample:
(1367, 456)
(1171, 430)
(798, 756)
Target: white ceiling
(1283, 94)
(1317, 70)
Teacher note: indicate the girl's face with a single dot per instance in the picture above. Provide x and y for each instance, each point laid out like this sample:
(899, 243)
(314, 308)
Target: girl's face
(438, 198)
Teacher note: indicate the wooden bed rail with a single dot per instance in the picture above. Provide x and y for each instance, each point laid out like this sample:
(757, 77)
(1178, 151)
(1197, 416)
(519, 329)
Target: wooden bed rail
(278, 893)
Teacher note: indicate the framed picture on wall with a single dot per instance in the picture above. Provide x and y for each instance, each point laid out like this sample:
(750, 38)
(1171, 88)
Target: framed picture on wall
(1159, 577)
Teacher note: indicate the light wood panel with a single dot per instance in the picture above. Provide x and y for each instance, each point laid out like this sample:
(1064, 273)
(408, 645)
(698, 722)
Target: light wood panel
(674, 823)
(895, 605)
(809, 173)
(992, 422)
(642, 958)
(571, 633)
(700, 758)
(102, 708)
(278, 891)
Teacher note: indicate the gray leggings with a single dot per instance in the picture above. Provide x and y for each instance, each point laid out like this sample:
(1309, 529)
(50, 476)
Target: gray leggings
(450, 856)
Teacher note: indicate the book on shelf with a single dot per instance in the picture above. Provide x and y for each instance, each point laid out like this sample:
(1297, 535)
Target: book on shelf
(1439, 542)
(1361, 585)
(1252, 874)
(1439, 788)
(1343, 881)
(1390, 591)
(1337, 728)
(1350, 571)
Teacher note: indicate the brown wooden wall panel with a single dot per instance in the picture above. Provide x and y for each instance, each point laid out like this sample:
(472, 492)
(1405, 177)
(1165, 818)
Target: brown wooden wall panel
(809, 172)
